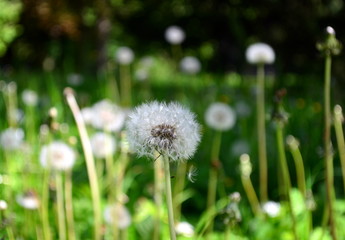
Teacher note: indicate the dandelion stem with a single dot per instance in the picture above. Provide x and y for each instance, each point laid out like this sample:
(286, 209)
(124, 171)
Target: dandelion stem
(125, 85)
(69, 205)
(178, 189)
(297, 156)
(213, 176)
(250, 191)
(328, 144)
(44, 206)
(169, 198)
(261, 131)
(60, 206)
(90, 163)
(285, 174)
(158, 168)
(338, 118)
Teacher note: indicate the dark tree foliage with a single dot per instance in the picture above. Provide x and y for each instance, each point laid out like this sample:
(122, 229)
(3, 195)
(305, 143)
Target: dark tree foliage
(84, 28)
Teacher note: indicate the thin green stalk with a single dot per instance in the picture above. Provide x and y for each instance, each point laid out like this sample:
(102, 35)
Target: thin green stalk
(125, 78)
(261, 131)
(10, 233)
(285, 173)
(213, 176)
(169, 198)
(90, 163)
(178, 189)
(297, 156)
(250, 191)
(69, 205)
(338, 118)
(158, 170)
(60, 206)
(328, 145)
(44, 206)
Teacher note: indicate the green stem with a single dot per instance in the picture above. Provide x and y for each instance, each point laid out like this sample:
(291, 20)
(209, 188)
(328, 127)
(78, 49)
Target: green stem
(69, 205)
(285, 174)
(44, 206)
(169, 198)
(328, 144)
(60, 206)
(90, 162)
(178, 189)
(158, 168)
(250, 191)
(125, 85)
(338, 118)
(261, 131)
(213, 176)
(297, 156)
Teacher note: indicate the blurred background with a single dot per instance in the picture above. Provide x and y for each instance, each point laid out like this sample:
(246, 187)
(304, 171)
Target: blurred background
(83, 33)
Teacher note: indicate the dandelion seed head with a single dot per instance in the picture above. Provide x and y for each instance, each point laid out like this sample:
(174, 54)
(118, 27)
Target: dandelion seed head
(30, 97)
(271, 208)
(120, 212)
(28, 200)
(57, 155)
(3, 205)
(260, 53)
(174, 35)
(220, 116)
(107, 116)
(124, 55)
(103, 145)
(167, 128)
(184, 229)
(12, 138)
(190, 65)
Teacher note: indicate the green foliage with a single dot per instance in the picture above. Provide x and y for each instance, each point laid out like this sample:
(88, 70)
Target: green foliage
(9, 16)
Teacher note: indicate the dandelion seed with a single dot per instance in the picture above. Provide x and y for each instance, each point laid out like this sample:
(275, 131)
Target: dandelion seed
(124, 55)
(185, 229)
(169, 129)
(12, 138)
(57, 155)
(30, 97)
(174, 35)
(192, 173)
(190, 65)
(260, 53)
(220, 116)
(102, 144)
(119, 212)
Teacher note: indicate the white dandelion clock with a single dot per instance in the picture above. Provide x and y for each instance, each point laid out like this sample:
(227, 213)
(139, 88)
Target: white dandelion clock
(260, 53)
(169, 129)
(108, 116)
(12, 138)
(124, 55)
(3, 205)
(103, 145)
(119, 212)
(220, 116)
(28, 200)
(190, 65)
(57, 155)
(87, 114)
(174, 35)
(185, 229)
(29, 97)
(271, 208)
